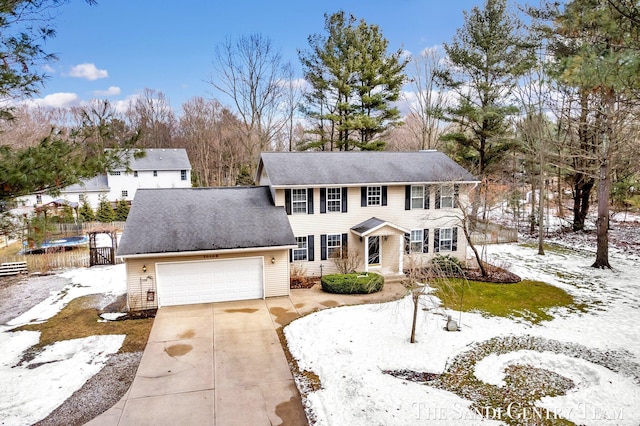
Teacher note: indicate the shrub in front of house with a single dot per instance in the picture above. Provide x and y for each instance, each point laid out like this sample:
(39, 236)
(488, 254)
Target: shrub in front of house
(446, 265)
(352, 283)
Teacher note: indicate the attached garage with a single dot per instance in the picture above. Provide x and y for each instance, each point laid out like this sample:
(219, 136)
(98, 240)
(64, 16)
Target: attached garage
(185, 283)
(204, 245)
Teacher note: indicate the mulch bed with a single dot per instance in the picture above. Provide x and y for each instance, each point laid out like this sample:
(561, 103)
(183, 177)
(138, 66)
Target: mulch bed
(304, 283)
(494, 275)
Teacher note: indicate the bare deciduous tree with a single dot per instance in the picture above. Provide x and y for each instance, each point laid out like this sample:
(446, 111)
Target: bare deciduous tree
(152, 114)
(250, 71)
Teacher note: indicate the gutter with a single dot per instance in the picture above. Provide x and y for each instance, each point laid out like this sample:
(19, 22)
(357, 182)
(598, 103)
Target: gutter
(204, 252)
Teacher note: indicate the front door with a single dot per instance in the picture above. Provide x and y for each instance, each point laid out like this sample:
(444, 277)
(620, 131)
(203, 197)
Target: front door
(374, 251)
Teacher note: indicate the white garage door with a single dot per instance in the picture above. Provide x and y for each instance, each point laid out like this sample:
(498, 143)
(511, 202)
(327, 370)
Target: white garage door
(184, 283)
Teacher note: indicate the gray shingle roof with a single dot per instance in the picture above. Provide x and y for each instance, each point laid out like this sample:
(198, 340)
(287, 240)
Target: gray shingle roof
(98, 183)
(358, 167)
(161, 159)
(373, 223)
(196, 219)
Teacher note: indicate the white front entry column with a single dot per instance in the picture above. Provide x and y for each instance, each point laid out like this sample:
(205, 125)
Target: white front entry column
(366, 254)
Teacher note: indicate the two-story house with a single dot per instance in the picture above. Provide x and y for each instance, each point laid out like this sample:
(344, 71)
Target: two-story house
(159, 168)
(374, 205)
(204, 245)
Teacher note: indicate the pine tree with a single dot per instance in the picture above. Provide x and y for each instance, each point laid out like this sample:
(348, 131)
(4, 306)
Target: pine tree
(353, 84)
(486, 57)
(86, 212)
(122, 210)
(105, 212)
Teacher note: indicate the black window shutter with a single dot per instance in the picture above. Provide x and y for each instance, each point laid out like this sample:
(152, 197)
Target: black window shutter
(344, 244)
(407, 197)
(437, 198)
(427, 196)
(287, 201)
(344, 199)
(323, 247)
(363, 196)
(454, 238)
(407, 243)
(425, 241)
(310, 200)
(323, 200)
(290, 255)
(456, 194)
(384, 195)
(310, 248)
(436, 240)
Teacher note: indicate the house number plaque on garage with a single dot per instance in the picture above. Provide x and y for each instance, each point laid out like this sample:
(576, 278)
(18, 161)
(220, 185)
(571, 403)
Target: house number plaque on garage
(210, 256)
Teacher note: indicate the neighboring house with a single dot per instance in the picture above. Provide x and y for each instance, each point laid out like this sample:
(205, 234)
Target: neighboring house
(159, 168)
(216, 244)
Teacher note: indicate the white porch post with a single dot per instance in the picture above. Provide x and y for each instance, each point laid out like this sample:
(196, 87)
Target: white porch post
(401, 257)
(366, 254)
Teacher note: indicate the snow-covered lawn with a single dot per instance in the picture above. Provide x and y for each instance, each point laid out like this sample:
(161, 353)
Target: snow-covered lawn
(29, 391)
(598, 349)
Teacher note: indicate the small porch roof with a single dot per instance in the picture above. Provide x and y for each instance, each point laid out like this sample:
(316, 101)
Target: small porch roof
(371, 225)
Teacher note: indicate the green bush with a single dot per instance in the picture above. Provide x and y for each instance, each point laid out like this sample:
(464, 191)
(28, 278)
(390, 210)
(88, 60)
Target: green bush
(446, 264)
(352, 283)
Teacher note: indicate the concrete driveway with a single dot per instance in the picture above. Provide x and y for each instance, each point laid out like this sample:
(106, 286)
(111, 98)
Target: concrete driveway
(223, 364)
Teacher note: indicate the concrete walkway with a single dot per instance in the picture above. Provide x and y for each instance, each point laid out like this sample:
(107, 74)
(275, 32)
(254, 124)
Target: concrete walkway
(223, 364)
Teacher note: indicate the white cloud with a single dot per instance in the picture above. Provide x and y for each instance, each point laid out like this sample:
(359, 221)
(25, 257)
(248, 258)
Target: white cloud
(55, 100)
(49, 69)
(111, 91)
(88, 71)
(123, 105)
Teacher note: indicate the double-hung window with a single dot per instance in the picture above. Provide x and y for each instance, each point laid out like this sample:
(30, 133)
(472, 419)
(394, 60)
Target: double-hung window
(302, 251)
(417, 240)
(446, 196)
(446, 239)
(299, 200)
(374, 195)
(183, 175)
(417, 197)
(125, 193)
(155, 173)
(334, 245)
(334, 199)
(115, 173)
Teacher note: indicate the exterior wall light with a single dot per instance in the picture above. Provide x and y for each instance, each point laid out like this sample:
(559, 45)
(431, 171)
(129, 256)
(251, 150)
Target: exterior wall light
(144, 268)
(273, 260)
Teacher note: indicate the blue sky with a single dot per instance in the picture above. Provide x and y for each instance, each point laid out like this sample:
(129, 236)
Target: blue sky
(120, 47)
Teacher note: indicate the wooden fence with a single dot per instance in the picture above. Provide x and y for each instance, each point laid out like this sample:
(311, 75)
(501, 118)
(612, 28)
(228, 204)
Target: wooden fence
(47, 262)
(83, 227)
(491, 233)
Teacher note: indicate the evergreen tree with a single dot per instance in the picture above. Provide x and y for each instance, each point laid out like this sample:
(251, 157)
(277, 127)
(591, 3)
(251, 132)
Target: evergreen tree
(62, 158)
(86, 212)
(353, 83)
(486, 57)
(122, 210)
(596, 52)
(105, 212)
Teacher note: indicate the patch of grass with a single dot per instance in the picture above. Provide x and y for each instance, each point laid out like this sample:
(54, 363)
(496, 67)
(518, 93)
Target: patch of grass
(80, 319)
(527, 299)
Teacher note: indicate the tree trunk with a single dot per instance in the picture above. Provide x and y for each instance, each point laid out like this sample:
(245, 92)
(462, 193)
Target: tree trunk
(581, 196)
(541, 199)
(602, 223)
(416, 298)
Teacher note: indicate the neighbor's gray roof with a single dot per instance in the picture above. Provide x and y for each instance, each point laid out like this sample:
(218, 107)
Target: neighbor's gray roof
(98, 183)
(197, 219)
(360, 167)
(160, 159)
